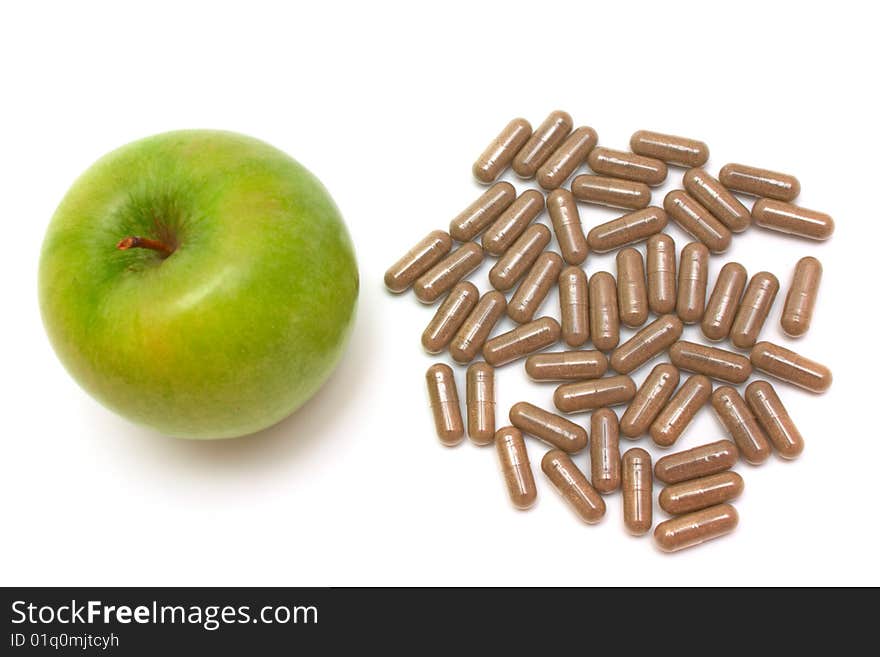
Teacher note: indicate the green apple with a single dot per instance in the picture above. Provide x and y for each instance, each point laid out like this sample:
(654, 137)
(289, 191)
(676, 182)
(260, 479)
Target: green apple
(202, 283)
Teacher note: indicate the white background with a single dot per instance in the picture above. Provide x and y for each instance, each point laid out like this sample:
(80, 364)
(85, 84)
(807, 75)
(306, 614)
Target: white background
(389, 105)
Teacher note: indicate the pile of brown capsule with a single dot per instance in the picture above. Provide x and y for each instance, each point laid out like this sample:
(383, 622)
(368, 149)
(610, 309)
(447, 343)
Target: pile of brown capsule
(698, 482)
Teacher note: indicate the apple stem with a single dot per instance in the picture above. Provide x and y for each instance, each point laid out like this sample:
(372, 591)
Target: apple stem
(135, 242)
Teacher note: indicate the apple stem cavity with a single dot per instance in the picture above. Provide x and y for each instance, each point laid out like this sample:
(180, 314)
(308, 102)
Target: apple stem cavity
(135, 242)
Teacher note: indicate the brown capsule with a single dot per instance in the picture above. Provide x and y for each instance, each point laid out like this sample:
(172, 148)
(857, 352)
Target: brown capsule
(443, 276)
(449, 317)
(476, 328)
(604, 451)
(593, 394)
(671, 422)
(515, 467)
(774, 419)
(712, 195)
(693, 276)
(740, 422)
(724, 301)
(517, 260)
(500, 152)
(574, 306)
(753, 309)
(629, 166)
(790, 366)
(628, 229)
(638, 491)
(604, 320)
(534, 288)
(759, 182)
(512, 222)
(797, 313)
(573, 486)
(694, 528)
(419, 259)
(646, 344)
(613, 192)
(669, 148)
(717, 363)
(481, 403)
(476, 217)
(444, 404)
(701, 493)
(792, 219)
(542, 143)
(661, 274)
(697, 462)
(521, 341)
(696, 220)
(566, 365)
(632, 291)
(566, 222)
(549, 427)
(568, 157)
(650, 398)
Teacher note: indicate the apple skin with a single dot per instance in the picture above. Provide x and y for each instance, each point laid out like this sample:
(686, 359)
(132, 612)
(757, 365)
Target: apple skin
(234, 330)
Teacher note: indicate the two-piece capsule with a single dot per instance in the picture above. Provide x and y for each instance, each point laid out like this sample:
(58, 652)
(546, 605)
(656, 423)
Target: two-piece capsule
(669, 148)
(476, 217)
(754, 309)
(521, 341)
(693, 276)
(517, 260)
(696, 220)
(724, 301)
(628, 229)
(480, 400)
(697, 494)
(632, 291)
(620, 164)
(566, 222)
(797, 313)
(695, 528)
(513, 221)
(713, 362)
(568, 157)
(638, 487)
(792, 219)
(712, 195)
(472, 335)
(646, 344)
(735, 415)
(444, 404)
(500, 152)
(774, 419)
(441, 278)
(790, 366)
(660, 273)
(674, 418)
(542, 143)
(574, 306)
(425, 254)
(604, 317)
(574, 487)
(534, 287)
(612, 192)
(762, 183)
(566, 365)
(450, 316)
(649, 400)
(549, 427)
(696, 462)
(515, 467)
(604, 451)
(596, 393)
